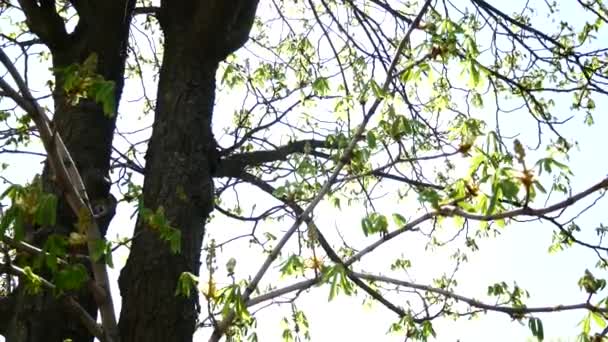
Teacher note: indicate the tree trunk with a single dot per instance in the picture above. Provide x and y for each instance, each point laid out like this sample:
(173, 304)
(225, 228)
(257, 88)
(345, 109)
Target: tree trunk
(87, 133)
(177, 179)
(179, 162)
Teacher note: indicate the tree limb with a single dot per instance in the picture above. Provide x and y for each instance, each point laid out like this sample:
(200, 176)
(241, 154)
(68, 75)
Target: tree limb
(235, 165)
(412, 226)
(26, 247)
(299, 286)
(328, 250)
(44, 21)
(221, 328)
(333, 256)
(150, 10)
(511, 311)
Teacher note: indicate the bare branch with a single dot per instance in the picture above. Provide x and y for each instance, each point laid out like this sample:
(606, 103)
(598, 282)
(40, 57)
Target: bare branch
(413, 226)
(526, 211)
(299, 286)
(220, 329)
(511, 311)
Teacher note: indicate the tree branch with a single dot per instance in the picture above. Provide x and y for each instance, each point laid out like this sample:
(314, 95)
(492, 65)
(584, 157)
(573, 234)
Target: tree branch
(330, 253)
(406, 180)
(299, 286)
(333, 256)
(27, 248)
(511, 311)
(44, 21)
(151, 10)
(235, 165)
(412, 226)
(454, 211)
(220, 329)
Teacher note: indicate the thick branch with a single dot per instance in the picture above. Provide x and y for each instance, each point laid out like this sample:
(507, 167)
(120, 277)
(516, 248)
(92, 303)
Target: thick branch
(44, 21)
(477, 217)
(151, 10)
(491, 9)
(235, 165)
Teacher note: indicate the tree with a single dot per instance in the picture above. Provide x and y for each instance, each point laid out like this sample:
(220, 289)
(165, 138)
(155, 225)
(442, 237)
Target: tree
(334, 104)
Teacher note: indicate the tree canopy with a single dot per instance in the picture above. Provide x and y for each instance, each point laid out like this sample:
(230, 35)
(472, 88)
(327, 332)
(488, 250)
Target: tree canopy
(234, 158)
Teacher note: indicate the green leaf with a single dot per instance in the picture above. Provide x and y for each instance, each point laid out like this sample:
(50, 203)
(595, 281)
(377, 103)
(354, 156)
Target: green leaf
(473, 74)
(493, 201)
(333, 290)
(589, 119)
(477, 100)
(103, 92)
(399, 220)
(536, 327)
(430, 196)
(72, 277)
(46, 212)
(379, 93)
(90, 63)
(598, 319)
(102, 249)
(174, 237)
(18, 226)
(54, 247)
(371, 139)
(9, 217)
(401, 264)
(586, 324)
(321, 86)
(509, 188)
(539, 186)
(374, 223)
(590, 283)
(34, 282)
(293, 265)
(157, 221)
(185, 284)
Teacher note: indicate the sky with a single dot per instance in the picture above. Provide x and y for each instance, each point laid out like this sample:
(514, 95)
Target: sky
(519, 253)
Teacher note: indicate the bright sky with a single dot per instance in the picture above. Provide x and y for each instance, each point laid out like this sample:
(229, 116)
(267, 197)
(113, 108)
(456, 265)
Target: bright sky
(519, 254)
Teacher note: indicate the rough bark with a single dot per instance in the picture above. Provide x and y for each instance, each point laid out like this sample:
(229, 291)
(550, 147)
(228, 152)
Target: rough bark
(179, 165)
(87, 133)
